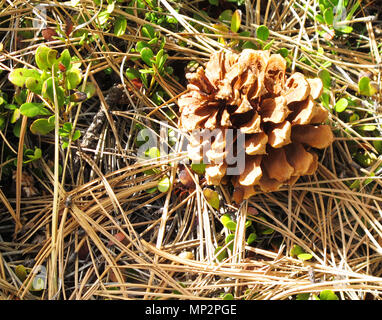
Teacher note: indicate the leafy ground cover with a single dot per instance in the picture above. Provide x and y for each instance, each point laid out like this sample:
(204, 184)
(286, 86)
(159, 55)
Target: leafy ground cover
(85, 215)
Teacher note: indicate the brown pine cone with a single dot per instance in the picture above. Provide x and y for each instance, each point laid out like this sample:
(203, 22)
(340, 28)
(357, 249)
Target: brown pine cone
(279, 117)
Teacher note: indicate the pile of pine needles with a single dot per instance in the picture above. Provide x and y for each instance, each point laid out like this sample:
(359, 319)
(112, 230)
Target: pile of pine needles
(165, 248)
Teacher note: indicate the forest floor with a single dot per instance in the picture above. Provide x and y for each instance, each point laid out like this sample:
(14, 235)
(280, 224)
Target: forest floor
(83, 217)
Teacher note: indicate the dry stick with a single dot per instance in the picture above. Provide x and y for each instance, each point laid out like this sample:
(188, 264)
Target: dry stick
(239, 243)
(20, 155)
(4, 199)
(74, 127)
(52, 289)
(302, 29)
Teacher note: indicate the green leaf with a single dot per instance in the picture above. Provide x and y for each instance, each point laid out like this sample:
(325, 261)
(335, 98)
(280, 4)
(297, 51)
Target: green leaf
(164, 184)
(141, 45)
(2, 122)
(227, 221)
(236, 21)
(284, 52)
(33, 109)
(228, 296)
(90, 90)
(51, 58)
(303, 296)
(34, 84)
(48, 92)
(103, 17)
(252, 237)
(366, 88)
(15, 115)
(262, 33)
(329, 16)
(148, 31)
(41, 58)
(21, 272)
(226, 16)
(269, 45)
(18, 76)
(344, 29)
(153, 153)
(158, 57)
(76, 135)
(153, 41)
(328, 295)
(325, 77)
(341, 105)
(365, 159)
(212, 198)
(37, 153)
(10, 107)
(325, 99)
(152, 190)
(120, 26)
(17, 128)
(296, 250)
(199, 168)
(65, 58)
(228, 239)
(267, 231)
(249, 45)
(245, 34)
(67, 127)
(304, 256)
(73, 78)
(222, 255)
(319, 18)
(146, 55)
(367, 127)
(41, 126)
(110, 7)
(378, 145)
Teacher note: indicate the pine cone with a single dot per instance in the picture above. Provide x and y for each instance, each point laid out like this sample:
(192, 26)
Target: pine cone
(278, 116)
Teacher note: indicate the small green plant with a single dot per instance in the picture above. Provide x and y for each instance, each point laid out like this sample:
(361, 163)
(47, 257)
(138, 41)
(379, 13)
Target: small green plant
(220, 254)
(227, 296)
(230, 23)
(54, 87)
(154, 63)
(38, 283)
(67, 133)
(324, 295)
(367, 87)
(53, 81)
(231, 225)
(333, 15)
(164, 183)
(297, 251)
(199, 168)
